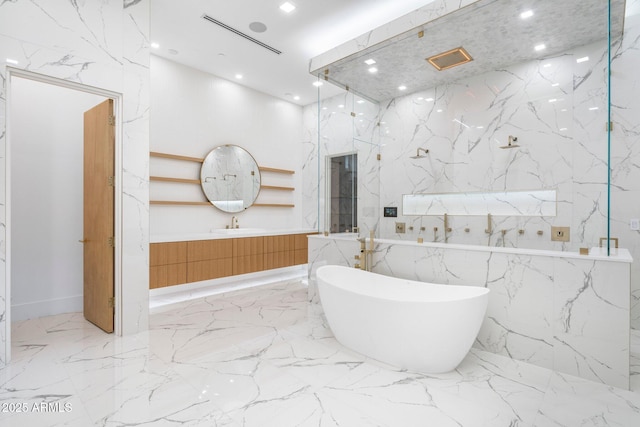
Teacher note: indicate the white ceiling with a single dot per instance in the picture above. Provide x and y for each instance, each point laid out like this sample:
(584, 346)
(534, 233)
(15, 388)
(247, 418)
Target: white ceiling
(312, 28)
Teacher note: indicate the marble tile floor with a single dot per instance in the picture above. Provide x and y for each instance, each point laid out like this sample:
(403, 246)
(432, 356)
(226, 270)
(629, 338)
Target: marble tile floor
(264, 357)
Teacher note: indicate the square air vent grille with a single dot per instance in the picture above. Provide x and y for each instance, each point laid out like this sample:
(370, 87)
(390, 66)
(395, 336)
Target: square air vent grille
(450, 58)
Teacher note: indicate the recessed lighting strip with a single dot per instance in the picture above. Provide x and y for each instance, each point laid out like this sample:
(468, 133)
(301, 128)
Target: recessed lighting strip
(241, 34)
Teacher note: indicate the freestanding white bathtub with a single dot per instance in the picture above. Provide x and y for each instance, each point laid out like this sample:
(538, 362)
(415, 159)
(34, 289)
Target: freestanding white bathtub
(416, 326)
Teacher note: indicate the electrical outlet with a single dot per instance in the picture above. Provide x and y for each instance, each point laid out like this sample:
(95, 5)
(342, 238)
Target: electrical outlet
(634, 224)
(400, 226)
(560, 234)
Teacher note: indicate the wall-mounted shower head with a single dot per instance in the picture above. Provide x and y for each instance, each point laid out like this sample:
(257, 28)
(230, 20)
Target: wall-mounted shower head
(511, 144)
(418, 156)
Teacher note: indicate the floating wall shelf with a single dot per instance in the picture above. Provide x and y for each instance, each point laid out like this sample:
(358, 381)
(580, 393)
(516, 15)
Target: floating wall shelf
(198, 182)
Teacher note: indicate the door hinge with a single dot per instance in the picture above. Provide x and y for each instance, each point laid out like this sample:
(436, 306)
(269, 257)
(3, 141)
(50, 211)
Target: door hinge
(112, 120)
(112, 302)
(112, 181)
(609, 126)
(111, 242)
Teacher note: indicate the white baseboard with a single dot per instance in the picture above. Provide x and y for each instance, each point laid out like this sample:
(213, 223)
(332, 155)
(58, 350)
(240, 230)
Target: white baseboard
(31, 310)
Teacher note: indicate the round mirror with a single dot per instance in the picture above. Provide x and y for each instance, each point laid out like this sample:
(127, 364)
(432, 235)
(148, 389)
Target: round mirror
(230, 178)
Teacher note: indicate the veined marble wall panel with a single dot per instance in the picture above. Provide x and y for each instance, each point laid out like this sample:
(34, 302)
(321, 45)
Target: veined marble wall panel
(102, 44)
(591, 314)
(309, 164)
(135, 167)
(567, 314)
(334, 251)
(463, 125)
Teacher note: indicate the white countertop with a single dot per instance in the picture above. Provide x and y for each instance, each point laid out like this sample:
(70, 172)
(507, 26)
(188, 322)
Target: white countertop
(596, 253)
(224, 234)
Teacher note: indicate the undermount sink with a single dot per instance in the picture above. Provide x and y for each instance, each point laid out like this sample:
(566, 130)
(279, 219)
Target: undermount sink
(237, 230)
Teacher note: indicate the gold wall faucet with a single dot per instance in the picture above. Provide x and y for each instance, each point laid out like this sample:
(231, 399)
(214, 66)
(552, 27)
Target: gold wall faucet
(447, 229)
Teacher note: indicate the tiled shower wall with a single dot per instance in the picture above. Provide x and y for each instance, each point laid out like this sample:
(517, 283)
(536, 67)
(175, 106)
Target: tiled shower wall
(556, 107)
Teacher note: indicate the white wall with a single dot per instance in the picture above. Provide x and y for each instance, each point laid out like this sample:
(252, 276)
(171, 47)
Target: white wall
(46, 179)
(191, 113)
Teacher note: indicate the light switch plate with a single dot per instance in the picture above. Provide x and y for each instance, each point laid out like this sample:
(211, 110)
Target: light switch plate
(634, 224)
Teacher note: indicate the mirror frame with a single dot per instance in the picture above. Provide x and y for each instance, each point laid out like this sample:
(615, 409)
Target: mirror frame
(256, 175)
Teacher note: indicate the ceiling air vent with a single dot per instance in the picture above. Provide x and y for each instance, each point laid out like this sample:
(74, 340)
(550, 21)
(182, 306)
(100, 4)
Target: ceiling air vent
(450, 58)
(240, 33)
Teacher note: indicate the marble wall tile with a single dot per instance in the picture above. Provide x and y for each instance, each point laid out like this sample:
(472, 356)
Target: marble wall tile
(329, 251)
(586, 345)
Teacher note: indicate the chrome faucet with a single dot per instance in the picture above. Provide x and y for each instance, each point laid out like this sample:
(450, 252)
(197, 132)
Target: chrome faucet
(234, 222)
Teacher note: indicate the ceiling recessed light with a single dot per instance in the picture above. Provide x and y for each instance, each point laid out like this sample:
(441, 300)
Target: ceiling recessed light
(373, 70)
(540, 47)
(287, 7)
(297, 98)
(155, 45)
(402, 87)
(258, 27)
(11, 61)
(238, 76)
(526, 14)
(583, 59)
(370, 61)
(317, 83)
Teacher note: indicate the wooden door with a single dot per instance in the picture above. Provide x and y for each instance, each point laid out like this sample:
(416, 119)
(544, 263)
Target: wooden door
(99, 159)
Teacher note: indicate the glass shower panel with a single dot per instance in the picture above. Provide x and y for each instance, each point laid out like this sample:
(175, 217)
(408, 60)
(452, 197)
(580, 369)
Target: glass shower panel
(533, 120)
(347, 129)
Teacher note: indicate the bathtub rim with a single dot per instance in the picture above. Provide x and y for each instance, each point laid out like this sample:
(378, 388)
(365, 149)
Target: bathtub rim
(478, 291)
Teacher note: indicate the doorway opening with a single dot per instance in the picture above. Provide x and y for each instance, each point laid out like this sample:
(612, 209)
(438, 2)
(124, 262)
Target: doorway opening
(45, 183)
(343, 189)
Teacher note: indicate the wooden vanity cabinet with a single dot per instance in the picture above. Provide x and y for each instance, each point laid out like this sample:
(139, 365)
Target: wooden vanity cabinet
(209, 259)
(174, 263)
(168, 264)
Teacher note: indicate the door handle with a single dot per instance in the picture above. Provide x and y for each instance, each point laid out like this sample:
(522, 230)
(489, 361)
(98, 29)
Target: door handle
(83, 240)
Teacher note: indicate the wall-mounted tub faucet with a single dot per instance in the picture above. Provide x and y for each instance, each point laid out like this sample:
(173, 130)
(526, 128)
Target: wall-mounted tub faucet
(447, 229)
(489, 229)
